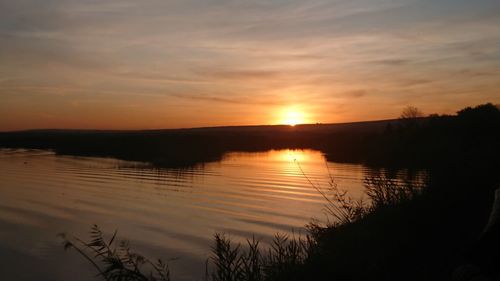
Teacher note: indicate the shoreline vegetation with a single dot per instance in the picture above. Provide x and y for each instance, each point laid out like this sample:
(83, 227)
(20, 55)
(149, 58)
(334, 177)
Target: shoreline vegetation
(287, 257)
(404, 232)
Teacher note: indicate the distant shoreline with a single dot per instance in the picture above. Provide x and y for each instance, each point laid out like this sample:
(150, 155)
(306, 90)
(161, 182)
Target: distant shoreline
(205, 128)
(193, 146)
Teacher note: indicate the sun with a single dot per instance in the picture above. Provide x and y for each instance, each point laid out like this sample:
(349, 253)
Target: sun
(292, 117)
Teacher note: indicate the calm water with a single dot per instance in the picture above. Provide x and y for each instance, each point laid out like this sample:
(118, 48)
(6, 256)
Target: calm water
(168, 213)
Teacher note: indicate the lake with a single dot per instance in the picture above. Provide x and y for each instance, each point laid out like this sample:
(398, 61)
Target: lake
(167, 213)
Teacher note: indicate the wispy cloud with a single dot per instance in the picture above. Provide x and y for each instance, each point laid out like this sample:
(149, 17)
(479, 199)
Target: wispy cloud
(228, 100)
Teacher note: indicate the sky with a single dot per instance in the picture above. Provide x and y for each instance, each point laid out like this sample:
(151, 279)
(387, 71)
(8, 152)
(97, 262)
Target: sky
(122, 64)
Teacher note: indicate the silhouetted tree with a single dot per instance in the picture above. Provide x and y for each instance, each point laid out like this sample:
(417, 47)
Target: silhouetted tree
(411, 112)
(410, 115)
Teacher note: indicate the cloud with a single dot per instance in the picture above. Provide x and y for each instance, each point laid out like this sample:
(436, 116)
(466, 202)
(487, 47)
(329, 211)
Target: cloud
(392, 62)
(267, 101)
(241, 74)
(356, 93)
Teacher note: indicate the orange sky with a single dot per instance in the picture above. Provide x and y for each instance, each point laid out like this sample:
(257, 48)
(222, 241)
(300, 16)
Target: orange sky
(168, 64)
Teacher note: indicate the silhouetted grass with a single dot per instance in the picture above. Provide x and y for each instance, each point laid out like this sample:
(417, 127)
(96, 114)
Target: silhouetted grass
(115, 261)
(291, 258)
(281, 261)
(386, 192)
(286, 258)
(339, 206)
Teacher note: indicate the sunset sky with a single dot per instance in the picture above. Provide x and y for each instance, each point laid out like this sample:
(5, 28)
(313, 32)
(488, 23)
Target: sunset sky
(126, 64)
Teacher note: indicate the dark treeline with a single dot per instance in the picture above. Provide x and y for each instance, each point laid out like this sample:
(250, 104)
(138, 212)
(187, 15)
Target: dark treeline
(472, 136)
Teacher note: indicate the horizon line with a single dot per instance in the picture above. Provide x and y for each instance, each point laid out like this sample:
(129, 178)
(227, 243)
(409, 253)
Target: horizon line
(199, 128)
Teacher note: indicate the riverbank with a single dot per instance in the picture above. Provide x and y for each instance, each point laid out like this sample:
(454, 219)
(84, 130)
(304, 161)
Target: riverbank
(427, 238)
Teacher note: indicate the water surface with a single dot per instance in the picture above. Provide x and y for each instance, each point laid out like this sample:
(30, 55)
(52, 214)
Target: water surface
(168, 213)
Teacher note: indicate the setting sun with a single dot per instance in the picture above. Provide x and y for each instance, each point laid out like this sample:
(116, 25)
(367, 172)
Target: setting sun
(292, 117)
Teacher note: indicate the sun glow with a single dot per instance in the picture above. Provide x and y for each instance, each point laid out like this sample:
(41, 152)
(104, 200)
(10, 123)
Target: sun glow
(292, 117)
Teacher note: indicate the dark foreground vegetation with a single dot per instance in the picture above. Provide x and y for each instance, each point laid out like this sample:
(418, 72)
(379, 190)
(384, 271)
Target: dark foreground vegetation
(405, 232)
